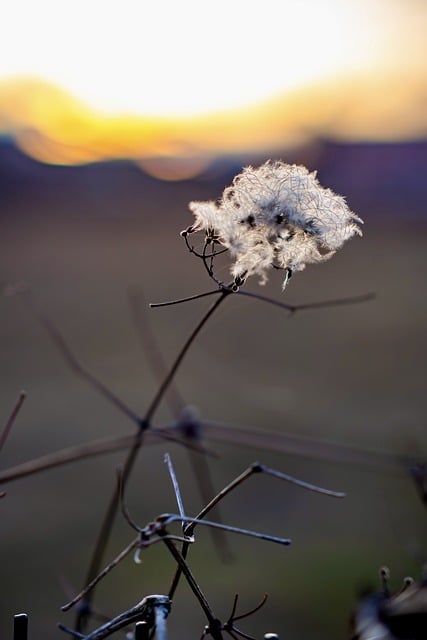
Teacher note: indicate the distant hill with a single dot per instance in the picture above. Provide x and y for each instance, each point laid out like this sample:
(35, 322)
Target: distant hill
(386, 179)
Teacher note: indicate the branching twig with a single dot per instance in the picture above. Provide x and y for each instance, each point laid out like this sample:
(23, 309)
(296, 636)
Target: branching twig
(155, 532)
(143, 611)
(97, 448)
(158, 365)
(293, 308)
(283, 442)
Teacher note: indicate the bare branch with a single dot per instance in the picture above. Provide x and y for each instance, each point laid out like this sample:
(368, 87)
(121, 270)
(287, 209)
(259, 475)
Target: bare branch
(293, 308)
(300, 483)
(130, 547)
(175, 484)
(97, 448)
(155, 305)
(292, 444)
(170, 376)
(185, 569)
(283, 442)
(151, 348)
(80, 371)
(144, 610)
(178, 407)
(9, 424)
(226, 527)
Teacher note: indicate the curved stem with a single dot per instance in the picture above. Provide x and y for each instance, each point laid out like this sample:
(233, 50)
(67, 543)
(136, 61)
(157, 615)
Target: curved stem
(104, 534)
(106, 528)
(168, 379)
(154, 305)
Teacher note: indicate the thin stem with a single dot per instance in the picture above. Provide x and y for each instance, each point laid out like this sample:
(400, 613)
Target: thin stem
(110, 515)
(97, 448)
(123, 505)
(132, 545)
(305, 447)
(79, 370)
(176, 488)
(190, 528)
(285, 442)
(230, 487)
(107, 525)
(154, 305)
(209, 268)
(70, 632)
(66, 456)
(151, 347)
(240, 634)
(339, 302)
(144, 610)
(231, 529)
(201, 469)
(233, 610)
(276, 303)
(176, 402)
(300, 483)
(9, 424)
(251, 612)
(185, 569)
(309, 305)
(168, 379)
(254, 468)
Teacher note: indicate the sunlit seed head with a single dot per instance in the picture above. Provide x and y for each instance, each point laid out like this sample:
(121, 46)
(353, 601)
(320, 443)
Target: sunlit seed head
(277, 215)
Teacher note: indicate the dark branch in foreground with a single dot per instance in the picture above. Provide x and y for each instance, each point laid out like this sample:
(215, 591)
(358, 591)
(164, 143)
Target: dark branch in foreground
(287, 443)
(151, 610)
(293, 308)
(9, 424)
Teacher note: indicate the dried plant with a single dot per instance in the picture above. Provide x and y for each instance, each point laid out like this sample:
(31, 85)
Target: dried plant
(274, 217)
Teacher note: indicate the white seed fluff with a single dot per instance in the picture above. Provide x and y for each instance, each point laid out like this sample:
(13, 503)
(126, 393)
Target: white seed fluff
(277, 215)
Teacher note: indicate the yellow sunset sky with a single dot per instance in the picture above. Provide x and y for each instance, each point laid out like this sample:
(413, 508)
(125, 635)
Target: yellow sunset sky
(93, 80)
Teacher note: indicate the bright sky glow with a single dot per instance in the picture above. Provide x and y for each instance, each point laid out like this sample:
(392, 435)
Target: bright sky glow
(184, 57)
(172, 83)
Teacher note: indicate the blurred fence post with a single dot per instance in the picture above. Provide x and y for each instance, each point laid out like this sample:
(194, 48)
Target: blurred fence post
(20, 626)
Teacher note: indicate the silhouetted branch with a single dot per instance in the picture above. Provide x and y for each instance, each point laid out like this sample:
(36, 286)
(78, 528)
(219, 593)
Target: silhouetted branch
(130, 547)
(293, 308)
(169, 377)
(158, 365)
(155, 305)
(146, 611)
(9, 424)
(175, 484)
(80, 371)
(95, 448)
(151, 348)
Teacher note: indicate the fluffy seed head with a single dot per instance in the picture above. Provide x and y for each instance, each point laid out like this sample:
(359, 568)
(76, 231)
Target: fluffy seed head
(277, 215)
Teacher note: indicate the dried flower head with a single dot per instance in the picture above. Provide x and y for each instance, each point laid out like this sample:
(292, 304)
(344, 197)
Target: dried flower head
(277, 215)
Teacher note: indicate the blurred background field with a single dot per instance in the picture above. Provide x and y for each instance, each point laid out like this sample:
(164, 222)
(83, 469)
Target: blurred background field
(91, 207)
